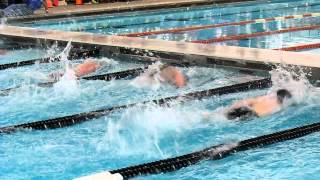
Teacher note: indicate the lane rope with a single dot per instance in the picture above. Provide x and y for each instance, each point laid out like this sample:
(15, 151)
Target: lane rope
(265, 33)
(76, 55)
(212, 153)
(87, 116)
(104, 26)
(192, 28)
(300, 47)
(104, 77)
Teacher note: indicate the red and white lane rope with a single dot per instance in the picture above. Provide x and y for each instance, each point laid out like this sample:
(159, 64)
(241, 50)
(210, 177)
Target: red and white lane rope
(265, 33)
(192, 28)
(300, 47)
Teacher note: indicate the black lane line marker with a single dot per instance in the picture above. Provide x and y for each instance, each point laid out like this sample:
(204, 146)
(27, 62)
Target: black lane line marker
(87, 116)
(105, 77)
(76, 55)
(215, 152)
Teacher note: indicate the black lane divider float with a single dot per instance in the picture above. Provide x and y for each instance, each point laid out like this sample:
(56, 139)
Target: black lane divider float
(87, 116)
(105, 77)
(214, 153)
(76, 55)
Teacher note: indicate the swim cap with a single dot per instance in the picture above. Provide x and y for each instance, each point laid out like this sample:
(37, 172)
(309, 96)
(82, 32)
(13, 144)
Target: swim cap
(283, 94)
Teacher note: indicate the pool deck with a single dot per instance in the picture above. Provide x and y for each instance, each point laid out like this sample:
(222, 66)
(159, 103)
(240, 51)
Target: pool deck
(94, 9)
(192, 53)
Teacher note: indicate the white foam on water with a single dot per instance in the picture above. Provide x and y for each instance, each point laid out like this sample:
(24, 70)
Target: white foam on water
(108, 61)
(52, 50)
(65, 53)
(145, 81)
(293, 79)
(141, 129)
(68, 84)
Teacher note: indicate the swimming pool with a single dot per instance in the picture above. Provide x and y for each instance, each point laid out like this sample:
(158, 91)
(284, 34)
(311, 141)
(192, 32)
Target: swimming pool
(145, 133)
(193, 24)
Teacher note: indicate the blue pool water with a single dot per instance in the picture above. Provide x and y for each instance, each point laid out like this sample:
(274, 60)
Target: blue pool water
(146, 133)
(143, 134)
(20, 55)
(125, 23)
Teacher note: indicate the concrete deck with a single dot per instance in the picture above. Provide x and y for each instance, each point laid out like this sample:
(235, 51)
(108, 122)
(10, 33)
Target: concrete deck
(94, 9)
(236, 55)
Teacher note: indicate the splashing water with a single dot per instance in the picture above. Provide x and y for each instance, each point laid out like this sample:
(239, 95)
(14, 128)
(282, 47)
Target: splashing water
(64, 54)
(145, 81)
(293, 79)
(108, 61)
(52, 50)
(67, 85)
(143, 129)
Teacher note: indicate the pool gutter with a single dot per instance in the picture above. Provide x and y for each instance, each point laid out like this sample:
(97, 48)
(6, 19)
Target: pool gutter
(177, 52)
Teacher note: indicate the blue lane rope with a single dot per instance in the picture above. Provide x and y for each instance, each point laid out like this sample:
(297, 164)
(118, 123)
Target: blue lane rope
(87, 116)
(215, 152)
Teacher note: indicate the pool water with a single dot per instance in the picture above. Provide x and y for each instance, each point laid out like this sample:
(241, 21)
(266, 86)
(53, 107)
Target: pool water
(125, 23)
(145, 132)
(19, 55)
(314, 51)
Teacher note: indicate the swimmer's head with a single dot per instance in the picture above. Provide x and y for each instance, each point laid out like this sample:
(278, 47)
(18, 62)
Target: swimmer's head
(283, 94)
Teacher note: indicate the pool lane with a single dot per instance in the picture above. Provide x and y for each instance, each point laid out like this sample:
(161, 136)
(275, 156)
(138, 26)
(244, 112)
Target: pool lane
(70, 97)
(144, 134)
(18, 55)
(179, 18)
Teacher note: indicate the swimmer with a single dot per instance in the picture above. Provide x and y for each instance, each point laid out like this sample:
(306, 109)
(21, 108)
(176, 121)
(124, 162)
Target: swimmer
(163, 74)
(259, 106)
(89, 66)
(173, 76)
